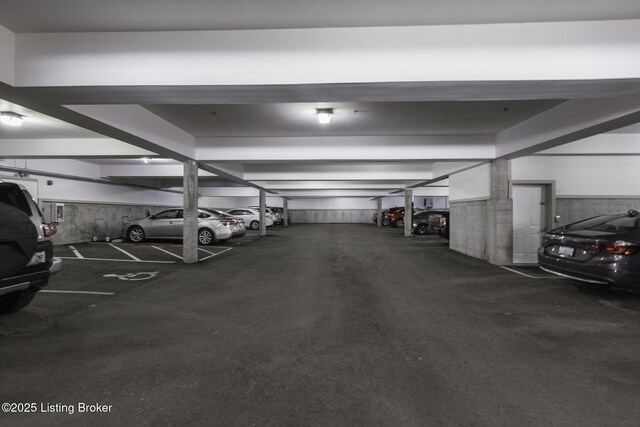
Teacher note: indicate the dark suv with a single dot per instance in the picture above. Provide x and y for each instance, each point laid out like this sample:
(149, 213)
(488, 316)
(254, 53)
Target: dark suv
(428, 222)
(25, 248)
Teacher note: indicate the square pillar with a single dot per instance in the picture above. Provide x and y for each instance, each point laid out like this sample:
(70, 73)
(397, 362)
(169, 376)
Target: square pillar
(263, 213)
(285, 212)
(408, 212)
(500, 215)
(379, 218)
(190, 213)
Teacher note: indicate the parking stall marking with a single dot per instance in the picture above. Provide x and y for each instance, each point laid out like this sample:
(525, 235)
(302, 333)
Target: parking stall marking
(213, 254)
(52, 291)
(530, 276)
(167, 252)
(118, 260)
(75, 252)
(135, 258)
(129, 253)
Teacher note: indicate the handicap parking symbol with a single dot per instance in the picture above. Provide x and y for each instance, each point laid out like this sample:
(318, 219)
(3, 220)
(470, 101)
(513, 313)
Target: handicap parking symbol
(133, 277)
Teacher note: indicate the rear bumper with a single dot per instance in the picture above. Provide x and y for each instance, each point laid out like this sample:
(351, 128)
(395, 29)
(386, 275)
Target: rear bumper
(34, 280)
(618, 274)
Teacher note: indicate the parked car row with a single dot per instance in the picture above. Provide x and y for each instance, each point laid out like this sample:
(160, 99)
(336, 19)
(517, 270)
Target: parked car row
(213, 225)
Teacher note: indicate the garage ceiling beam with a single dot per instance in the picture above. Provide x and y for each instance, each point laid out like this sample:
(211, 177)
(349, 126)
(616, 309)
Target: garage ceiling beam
(570, 121)
(493, 52)
(70, 148)
(345, 148)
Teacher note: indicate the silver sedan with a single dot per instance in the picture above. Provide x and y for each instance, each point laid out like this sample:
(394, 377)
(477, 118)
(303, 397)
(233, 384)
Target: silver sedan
(169, 224)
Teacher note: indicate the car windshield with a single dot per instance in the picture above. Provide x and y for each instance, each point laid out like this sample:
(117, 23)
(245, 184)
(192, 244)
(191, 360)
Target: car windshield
(610, 223)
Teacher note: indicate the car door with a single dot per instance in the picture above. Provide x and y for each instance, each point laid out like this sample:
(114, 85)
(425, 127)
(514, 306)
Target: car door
(163, 224)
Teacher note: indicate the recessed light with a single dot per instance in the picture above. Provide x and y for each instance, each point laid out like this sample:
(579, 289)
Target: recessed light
(10, 119)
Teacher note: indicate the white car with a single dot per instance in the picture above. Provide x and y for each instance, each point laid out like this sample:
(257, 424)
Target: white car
(251, 217)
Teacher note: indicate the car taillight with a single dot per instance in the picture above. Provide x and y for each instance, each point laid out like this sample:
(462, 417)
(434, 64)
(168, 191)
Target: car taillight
(49, 229)
(619, 247)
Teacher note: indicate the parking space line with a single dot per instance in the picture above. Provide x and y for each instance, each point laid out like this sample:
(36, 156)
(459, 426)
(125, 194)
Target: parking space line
(75, 252)
(51, 291)
(119, 260)
(167, 252)
(528, 275)
(125, 252)
(216, 254)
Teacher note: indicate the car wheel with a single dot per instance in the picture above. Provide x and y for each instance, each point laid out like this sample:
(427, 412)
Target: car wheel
(136, 234)
(254, 225)
(400, 223)
(422, 230)
(205, 236)
(385, 222)
(14, 301)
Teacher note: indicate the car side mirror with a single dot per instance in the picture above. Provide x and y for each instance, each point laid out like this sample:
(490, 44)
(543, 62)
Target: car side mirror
(152, 217)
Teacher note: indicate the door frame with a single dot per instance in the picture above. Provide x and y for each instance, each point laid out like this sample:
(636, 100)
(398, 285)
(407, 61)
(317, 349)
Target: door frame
(549, 200)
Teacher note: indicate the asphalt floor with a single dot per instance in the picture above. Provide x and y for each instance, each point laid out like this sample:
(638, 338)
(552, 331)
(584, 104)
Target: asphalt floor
(317, 325)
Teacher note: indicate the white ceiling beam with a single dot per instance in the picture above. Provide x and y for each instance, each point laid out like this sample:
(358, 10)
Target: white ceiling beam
(338, 172)
(69, 148)
(154, 133)
(147, 170)
(330, 185)
(343, 148)
(619, 144)
(570, 121)
(332, 193)
(491, 52)
(8, 56)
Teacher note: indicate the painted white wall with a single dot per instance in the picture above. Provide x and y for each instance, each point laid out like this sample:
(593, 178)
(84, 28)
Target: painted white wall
(88, 192)
(223, 203)
(7, 55)
(345, 203)
(58, 166)
(523, 51)
(431, 191)
(392, 202)
(611, 176)
(472, 184)
(83, 191)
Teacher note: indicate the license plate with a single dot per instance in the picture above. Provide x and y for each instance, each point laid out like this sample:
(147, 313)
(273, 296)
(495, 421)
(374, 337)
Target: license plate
(566, 250)
(37, 258)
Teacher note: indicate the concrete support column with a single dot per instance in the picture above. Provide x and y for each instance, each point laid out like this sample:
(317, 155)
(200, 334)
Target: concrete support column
(500, 215)
(408, 212)
(263, 212)
(190, 213)
(285, 212)
(379, 221)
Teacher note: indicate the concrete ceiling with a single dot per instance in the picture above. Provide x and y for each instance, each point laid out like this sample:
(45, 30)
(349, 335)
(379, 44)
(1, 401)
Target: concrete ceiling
(385, 135)
(38, 16)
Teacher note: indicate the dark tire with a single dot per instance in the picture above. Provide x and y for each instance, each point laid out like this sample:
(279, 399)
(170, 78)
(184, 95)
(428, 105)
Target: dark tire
(206, 236)
(422, 230)
(14, 301)
(400, 223)
(136, 234)
(254, 225)
(385, 222)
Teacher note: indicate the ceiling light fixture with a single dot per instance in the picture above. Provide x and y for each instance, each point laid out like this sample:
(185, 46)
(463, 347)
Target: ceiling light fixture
(10, 119)
(324, 115)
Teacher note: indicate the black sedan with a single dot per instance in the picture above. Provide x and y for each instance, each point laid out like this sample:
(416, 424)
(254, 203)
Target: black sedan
(601, 250)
